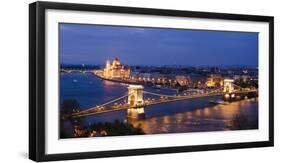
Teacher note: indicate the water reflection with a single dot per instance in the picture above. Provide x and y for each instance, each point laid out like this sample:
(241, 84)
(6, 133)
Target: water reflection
(214, 118)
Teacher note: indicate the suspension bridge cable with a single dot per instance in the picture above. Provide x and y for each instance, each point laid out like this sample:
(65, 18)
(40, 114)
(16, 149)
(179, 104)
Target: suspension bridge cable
(157, 94)
(116, 99)
(106, 103)
(238, 86)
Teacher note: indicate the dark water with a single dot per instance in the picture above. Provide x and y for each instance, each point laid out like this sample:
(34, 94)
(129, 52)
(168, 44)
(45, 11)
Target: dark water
(181, 116)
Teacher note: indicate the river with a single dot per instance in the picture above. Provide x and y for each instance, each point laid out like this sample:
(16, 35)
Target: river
(182, 116)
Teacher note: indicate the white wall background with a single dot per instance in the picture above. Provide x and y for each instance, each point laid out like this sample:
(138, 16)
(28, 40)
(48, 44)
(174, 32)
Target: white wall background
(14, 79)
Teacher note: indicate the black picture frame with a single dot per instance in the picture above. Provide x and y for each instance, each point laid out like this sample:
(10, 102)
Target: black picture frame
(37, 80)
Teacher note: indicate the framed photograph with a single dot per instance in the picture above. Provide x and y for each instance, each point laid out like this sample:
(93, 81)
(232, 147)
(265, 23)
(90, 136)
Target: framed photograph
(118, 81)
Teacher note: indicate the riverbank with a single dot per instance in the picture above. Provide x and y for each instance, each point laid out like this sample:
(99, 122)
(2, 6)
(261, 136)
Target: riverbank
(145, 83)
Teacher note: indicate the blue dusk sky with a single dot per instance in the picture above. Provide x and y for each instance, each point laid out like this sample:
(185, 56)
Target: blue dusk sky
(94, 44)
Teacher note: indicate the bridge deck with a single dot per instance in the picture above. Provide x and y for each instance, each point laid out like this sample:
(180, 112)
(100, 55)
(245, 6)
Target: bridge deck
(96, 110)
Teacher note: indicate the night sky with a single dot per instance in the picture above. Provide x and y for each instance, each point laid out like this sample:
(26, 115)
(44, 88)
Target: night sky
(94, 44)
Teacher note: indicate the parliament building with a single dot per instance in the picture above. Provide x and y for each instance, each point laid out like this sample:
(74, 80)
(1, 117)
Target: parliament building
(115, 70)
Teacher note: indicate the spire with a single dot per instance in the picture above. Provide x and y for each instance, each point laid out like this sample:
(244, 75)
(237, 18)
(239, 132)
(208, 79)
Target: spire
(107, 62)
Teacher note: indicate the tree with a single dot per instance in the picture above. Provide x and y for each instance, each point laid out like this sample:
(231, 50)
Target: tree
(69, 105)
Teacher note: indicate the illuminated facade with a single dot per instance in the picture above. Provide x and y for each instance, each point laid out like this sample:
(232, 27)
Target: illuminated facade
(116, 70)
(214, 81)
(183, 80)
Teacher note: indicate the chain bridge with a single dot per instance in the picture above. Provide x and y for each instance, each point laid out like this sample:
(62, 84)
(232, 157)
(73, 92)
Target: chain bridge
(134, 101)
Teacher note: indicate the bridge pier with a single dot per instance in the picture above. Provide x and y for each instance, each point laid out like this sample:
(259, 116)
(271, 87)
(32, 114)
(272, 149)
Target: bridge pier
(136, 102)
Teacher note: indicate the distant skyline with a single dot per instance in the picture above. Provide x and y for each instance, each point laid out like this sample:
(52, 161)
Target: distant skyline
(94, 44)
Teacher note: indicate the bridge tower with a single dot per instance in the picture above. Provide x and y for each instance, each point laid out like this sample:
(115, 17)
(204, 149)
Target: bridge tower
(136, 102)
(228, 88)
